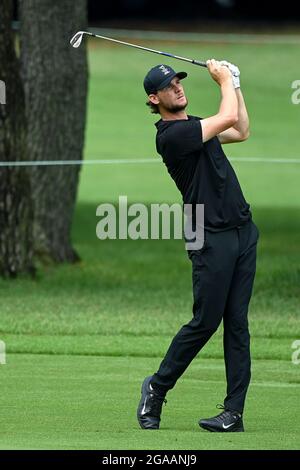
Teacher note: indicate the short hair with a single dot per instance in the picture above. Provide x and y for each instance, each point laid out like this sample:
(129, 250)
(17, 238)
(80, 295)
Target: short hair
(154, 109)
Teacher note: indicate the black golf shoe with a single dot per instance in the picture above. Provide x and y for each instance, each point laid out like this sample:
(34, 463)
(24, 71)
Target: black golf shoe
(149, 409)
(227, 421)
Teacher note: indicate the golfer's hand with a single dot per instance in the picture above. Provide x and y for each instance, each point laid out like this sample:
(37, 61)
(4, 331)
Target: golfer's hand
(235, 71)
(220, 73)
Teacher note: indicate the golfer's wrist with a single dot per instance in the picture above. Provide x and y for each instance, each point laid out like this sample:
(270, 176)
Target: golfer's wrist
(227, 84)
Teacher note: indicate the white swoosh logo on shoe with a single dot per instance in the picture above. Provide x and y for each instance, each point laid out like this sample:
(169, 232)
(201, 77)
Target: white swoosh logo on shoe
(144, 407)
(227, 426)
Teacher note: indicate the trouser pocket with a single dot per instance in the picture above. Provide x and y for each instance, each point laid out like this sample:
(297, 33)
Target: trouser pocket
(204, 247)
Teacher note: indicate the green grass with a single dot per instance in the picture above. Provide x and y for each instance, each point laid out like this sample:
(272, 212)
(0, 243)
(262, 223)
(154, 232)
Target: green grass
(67, 402)
(81, 338)
(119, 286)
(119, 124)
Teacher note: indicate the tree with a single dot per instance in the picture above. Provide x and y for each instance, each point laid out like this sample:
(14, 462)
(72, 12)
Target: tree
(55, 83)
(15, 199)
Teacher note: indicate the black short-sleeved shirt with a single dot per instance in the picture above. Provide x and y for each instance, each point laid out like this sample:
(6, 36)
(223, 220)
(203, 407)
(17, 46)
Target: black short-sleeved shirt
(202, 173)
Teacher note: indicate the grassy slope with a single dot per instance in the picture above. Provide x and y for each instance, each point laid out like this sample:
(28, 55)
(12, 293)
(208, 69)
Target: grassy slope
(120, 285)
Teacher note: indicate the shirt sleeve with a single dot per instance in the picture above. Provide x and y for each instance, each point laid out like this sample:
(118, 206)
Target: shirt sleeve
(183, 138)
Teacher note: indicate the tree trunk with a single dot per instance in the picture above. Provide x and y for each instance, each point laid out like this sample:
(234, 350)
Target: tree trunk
(15, 202)
(55, 81)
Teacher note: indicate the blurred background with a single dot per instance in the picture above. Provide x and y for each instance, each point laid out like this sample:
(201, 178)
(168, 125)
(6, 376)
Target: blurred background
(84, 320)
(216, 10)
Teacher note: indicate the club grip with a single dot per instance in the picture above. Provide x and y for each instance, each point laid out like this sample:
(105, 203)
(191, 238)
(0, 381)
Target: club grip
(199, 62)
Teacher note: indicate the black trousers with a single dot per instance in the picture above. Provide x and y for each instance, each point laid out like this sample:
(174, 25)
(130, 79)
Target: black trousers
(223, 276)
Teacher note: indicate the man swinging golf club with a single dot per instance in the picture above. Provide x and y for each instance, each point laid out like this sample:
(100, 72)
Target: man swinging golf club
(223, 269)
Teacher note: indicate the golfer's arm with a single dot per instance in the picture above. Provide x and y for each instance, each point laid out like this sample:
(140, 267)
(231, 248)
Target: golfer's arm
(227, 115)
(240, 130)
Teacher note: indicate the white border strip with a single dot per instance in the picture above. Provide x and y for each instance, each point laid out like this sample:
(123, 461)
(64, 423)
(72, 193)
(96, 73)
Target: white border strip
(118, 161)
(227, 38)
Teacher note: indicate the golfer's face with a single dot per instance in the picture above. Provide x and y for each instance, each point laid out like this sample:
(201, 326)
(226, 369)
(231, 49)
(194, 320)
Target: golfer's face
(173, 94)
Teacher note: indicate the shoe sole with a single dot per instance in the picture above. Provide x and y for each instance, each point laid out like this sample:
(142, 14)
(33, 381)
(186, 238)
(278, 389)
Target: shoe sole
(211, 429)
(141, 403)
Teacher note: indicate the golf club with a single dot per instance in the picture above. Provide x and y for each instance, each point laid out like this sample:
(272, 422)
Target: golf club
(77, 38)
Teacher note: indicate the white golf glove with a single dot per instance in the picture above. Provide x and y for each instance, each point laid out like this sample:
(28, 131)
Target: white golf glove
(235, 72)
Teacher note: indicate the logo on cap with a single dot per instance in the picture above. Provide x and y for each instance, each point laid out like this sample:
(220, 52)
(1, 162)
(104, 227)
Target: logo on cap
(164, 70)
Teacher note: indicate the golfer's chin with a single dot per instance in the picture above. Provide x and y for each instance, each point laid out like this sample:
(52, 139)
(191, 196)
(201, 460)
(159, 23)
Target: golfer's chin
(179, 105)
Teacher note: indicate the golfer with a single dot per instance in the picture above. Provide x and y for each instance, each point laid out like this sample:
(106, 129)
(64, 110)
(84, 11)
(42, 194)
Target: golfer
(223, 269)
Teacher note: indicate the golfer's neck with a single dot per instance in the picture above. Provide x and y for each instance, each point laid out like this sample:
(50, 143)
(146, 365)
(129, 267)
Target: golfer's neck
(167, 116)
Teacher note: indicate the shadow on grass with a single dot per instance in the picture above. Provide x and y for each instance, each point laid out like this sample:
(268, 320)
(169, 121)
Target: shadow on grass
(159, 263)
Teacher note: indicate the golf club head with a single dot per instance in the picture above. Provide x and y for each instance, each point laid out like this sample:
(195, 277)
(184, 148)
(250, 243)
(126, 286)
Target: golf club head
(76, 39)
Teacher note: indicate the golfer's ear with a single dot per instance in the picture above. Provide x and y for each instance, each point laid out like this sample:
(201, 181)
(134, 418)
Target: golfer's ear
(154, 98)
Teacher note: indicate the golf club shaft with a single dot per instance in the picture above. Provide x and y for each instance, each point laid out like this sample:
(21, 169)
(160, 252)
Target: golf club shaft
(192, 61)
